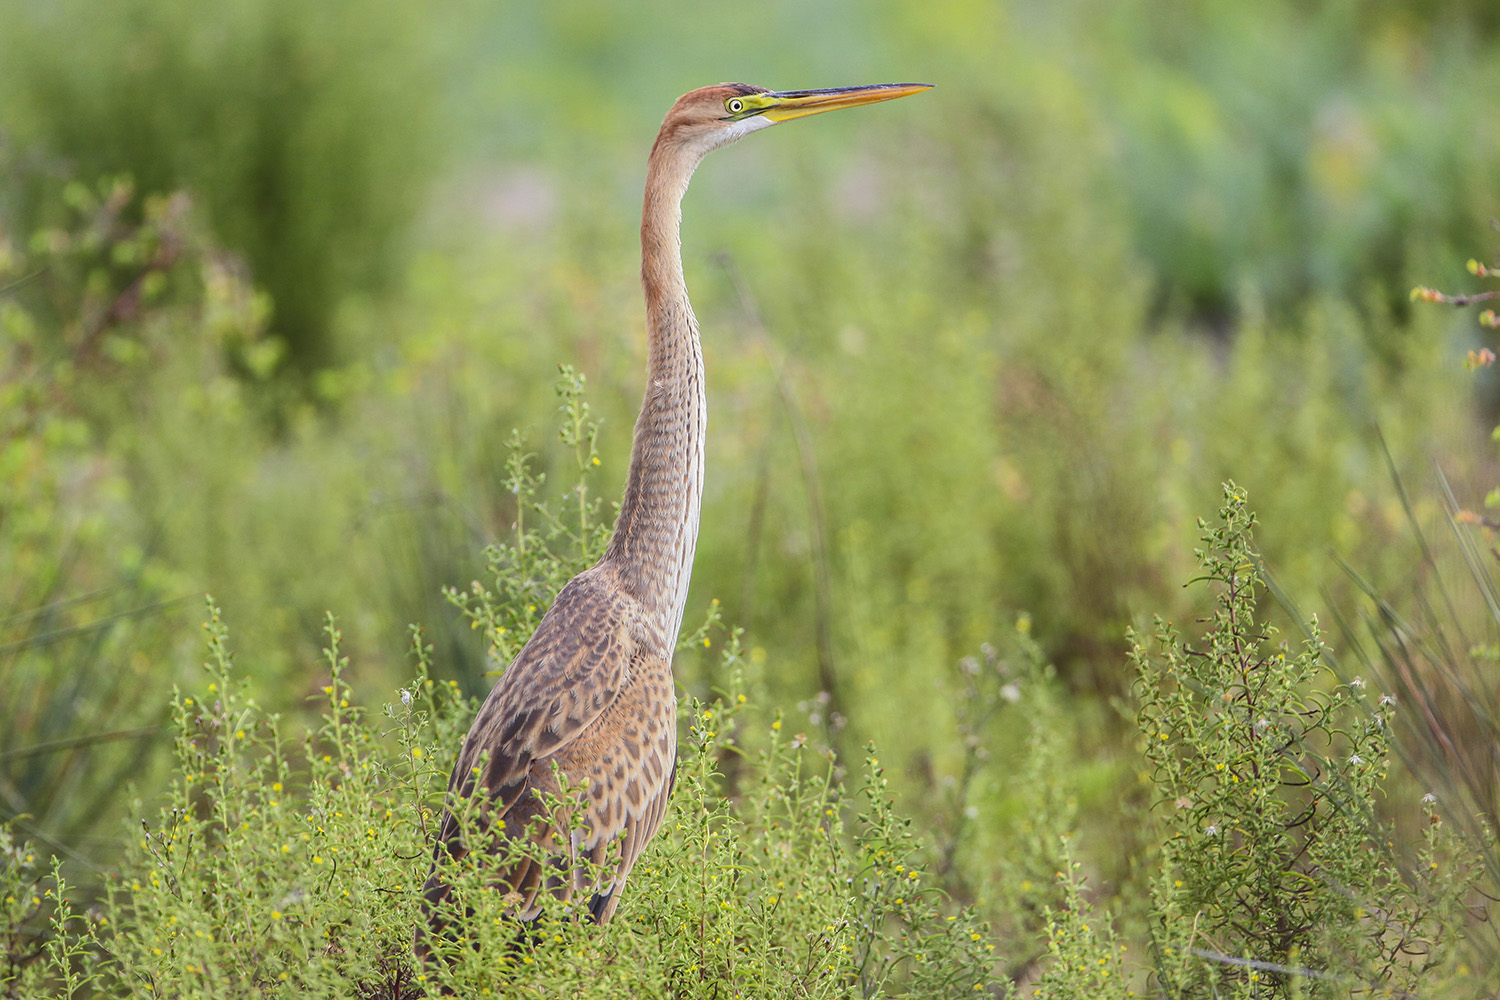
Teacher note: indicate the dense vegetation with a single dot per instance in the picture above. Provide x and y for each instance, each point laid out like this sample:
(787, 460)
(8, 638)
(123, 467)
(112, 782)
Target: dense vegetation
(276, 289)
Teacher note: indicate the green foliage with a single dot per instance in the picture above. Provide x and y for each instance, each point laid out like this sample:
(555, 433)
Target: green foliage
(279, 862)
(1252, 127)
(1276, 872)
(305, 132)
(984, 352)
(20, 912)
(290, 867)
(287, 864)
(1436, 649)
(86, 309)
(1084, 961)
(552, 539)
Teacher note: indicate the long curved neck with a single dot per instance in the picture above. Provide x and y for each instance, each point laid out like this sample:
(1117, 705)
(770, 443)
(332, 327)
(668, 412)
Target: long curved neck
(657, 530)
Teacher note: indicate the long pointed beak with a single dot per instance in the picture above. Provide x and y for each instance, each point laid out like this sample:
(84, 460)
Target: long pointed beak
(788, 104)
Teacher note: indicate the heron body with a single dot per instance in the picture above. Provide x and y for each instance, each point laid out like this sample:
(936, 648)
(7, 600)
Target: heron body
(589, 701)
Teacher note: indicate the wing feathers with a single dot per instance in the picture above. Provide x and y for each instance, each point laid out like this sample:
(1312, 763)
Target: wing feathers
(588, 702)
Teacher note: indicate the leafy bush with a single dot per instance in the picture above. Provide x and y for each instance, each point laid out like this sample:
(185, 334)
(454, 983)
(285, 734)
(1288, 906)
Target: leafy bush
(87, 308)
(290, 864)
(1277, 872)
(305, 133)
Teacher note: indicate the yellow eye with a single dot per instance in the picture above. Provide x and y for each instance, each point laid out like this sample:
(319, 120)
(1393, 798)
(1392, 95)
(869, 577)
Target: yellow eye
(735, 105)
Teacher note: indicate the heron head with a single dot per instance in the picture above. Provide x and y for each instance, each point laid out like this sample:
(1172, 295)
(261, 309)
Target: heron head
(710, 117)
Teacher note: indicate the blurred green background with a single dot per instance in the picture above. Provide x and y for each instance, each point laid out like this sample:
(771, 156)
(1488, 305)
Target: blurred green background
(277, 280)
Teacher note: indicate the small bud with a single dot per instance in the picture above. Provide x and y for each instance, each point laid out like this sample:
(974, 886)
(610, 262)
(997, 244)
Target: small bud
(1482, 358)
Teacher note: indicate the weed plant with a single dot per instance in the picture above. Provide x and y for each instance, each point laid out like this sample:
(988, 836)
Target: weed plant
(1277, 875)
(287, 863)
(89, 622)
(305, 135)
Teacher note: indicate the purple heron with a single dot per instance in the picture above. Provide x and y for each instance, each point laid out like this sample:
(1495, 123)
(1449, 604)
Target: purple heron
(590, 701)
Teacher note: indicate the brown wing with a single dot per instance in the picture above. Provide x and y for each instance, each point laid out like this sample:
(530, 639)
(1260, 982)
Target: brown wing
(584, 701)
(572, 669)
(629, 761)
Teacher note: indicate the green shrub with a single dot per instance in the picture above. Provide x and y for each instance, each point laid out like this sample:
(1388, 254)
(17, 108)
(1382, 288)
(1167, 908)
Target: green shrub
(289, 863)
(1277, 872)
(1084, 961)
(89, 600)
(306, 133)
(291, 866)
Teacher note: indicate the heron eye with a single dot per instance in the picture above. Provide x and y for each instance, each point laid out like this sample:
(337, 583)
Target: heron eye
(735, 105)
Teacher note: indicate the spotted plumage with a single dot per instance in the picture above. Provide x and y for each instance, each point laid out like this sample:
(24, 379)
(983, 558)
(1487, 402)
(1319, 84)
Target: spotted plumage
(588, 702)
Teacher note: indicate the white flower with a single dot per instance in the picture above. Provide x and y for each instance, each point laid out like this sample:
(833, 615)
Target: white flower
(1011, 693)
(1429, 799)
(1211, 830)
(405, 696)
(1358, 683)
(1356, 759)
